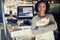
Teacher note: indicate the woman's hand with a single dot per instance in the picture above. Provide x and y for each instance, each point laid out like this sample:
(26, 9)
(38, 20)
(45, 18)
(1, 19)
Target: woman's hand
(51, 22)
(36, 28)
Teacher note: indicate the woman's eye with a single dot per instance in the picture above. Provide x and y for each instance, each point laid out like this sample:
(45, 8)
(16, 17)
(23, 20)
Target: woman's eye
(43, 6)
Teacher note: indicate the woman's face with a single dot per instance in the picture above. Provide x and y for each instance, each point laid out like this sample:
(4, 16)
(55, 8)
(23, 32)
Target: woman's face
(42, 7)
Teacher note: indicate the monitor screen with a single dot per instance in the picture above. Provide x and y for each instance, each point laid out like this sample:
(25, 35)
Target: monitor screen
(25, 11)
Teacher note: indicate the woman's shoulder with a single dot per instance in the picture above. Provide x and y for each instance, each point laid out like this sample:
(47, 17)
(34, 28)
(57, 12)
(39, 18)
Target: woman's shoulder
(50, 15)
(35, 17)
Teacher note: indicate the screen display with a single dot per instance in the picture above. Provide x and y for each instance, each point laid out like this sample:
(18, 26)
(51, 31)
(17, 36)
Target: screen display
(25, 11)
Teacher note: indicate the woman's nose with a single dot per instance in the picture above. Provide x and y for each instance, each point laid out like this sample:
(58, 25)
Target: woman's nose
(41, 8)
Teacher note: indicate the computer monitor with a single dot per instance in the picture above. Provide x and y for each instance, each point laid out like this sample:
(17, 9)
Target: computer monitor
(25, 12)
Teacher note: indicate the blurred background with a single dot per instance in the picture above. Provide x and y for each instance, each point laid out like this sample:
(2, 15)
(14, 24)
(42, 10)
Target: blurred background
(18, 13)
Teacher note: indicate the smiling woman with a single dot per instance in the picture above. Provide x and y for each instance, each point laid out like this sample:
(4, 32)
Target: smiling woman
(44, 23)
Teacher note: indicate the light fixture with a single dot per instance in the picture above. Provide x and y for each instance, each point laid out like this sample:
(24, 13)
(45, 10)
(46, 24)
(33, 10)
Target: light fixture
(24, 2)
(52, 2)
(49, 2)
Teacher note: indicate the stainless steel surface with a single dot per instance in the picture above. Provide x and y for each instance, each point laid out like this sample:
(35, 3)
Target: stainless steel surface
(0, 34)
(4, 25)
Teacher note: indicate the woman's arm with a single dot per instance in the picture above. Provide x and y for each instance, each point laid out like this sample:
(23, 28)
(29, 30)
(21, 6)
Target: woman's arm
(52, 26)
(33, 23)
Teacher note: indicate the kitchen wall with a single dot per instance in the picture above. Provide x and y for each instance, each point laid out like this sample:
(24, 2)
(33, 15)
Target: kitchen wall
(13, 4)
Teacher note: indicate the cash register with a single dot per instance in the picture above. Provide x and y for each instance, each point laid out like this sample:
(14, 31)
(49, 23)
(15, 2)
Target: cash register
(25, 13)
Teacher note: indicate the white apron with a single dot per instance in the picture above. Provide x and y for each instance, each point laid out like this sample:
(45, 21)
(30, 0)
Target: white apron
(45, 36)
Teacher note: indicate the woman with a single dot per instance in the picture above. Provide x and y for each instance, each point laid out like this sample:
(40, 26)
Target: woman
(44, 32)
